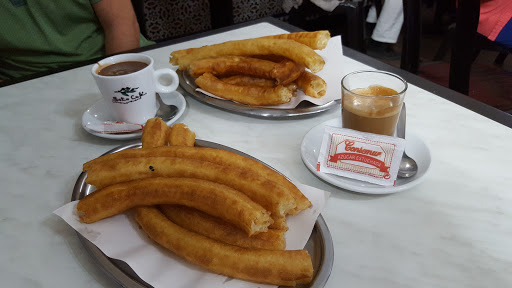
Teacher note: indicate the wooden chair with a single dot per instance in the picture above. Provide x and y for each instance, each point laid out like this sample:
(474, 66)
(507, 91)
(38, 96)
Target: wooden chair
(221, 13)
(462, 56)
(410, 58)
(466, 43)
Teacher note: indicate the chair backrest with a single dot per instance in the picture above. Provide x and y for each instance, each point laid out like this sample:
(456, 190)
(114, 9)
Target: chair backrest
(464, 41)
(221, 13)
(462, 56)
(138, 7)
(410, 58)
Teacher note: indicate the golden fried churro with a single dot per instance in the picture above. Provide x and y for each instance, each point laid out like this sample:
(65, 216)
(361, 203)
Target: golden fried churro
(312, 84)
(217, 229)
(244, 80)
(279, 223)
(154, 133)
(213, 198)
(316, 40)
(232, 65)
(183, 52)
(267, 193)
(270, 57)
(297, 52)
(287, 71)
(244, 94)
(284, 72)
(180, 135)
(277, 267)
(217, 156)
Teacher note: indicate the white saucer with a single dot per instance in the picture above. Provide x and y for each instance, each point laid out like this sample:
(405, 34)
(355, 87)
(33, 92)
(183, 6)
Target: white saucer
(98, 113)
(415, 148)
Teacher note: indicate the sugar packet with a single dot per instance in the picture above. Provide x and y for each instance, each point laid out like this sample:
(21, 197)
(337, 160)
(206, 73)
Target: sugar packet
(363, 156)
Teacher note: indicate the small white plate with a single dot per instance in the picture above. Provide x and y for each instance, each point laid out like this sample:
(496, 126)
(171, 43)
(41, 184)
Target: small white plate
(414, 147)
(98, 113)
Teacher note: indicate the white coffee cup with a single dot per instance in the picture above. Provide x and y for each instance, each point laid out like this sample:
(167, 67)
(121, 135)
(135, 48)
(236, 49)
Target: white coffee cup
(132, 97)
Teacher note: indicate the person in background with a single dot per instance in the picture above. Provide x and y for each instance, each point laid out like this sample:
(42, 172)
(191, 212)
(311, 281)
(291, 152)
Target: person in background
(495, 21)
(387, 29)
(36, 36)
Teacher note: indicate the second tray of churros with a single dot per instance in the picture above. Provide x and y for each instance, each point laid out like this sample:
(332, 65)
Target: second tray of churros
(263, 71)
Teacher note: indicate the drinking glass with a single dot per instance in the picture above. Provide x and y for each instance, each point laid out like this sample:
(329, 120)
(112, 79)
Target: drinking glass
(371, 101)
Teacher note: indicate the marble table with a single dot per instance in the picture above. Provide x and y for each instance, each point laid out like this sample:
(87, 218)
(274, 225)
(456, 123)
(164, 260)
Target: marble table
(452, 230)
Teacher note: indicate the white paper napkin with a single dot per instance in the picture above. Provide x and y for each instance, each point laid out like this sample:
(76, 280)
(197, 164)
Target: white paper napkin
(332, 75)
(121, 238)
(114, 127)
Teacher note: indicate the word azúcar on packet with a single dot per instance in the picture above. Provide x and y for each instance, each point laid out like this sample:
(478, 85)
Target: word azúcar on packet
(363, 156)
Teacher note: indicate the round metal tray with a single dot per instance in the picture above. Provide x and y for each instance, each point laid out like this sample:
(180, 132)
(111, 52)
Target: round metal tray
(319, 245)
(304, 109)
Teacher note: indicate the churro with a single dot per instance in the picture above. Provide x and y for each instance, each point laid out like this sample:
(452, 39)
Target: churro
(295, 51)
(283, 72)
(232, 65)
(267, 193)
(316, 39)
(312, 85)
(277, 267)
(213, 198)
(180, 135)
(244, 80)
(217, 229)
(250, 95)
(216, 156)
(154, 133)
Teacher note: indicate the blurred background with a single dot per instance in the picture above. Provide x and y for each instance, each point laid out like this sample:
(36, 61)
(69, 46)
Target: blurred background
(428, 35)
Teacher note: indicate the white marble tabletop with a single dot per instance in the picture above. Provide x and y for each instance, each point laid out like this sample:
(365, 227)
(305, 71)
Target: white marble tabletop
(452, 230)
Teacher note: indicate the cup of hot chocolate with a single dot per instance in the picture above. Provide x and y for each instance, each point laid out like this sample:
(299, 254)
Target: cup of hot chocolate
(129, 85)
(372, 101)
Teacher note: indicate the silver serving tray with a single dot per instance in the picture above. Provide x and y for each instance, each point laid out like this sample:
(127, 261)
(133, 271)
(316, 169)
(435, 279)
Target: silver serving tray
(304, 109)
(319, 245)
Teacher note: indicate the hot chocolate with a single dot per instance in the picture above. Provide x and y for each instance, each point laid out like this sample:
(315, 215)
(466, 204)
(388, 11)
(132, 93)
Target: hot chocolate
(121, 68)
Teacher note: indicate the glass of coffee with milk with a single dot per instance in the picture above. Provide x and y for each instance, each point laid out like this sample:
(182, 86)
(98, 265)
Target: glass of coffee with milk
(371, 101)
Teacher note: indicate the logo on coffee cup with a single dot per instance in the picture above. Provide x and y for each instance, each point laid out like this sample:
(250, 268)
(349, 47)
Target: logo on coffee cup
(129, 95)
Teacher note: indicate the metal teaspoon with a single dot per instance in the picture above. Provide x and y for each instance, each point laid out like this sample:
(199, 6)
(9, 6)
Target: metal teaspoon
(166, 111)
(408, 167)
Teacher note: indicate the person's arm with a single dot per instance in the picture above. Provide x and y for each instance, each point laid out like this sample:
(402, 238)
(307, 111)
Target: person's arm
(120, 24)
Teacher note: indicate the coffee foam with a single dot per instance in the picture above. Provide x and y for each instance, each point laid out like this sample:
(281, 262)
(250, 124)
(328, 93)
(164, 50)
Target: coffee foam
(368, 106)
